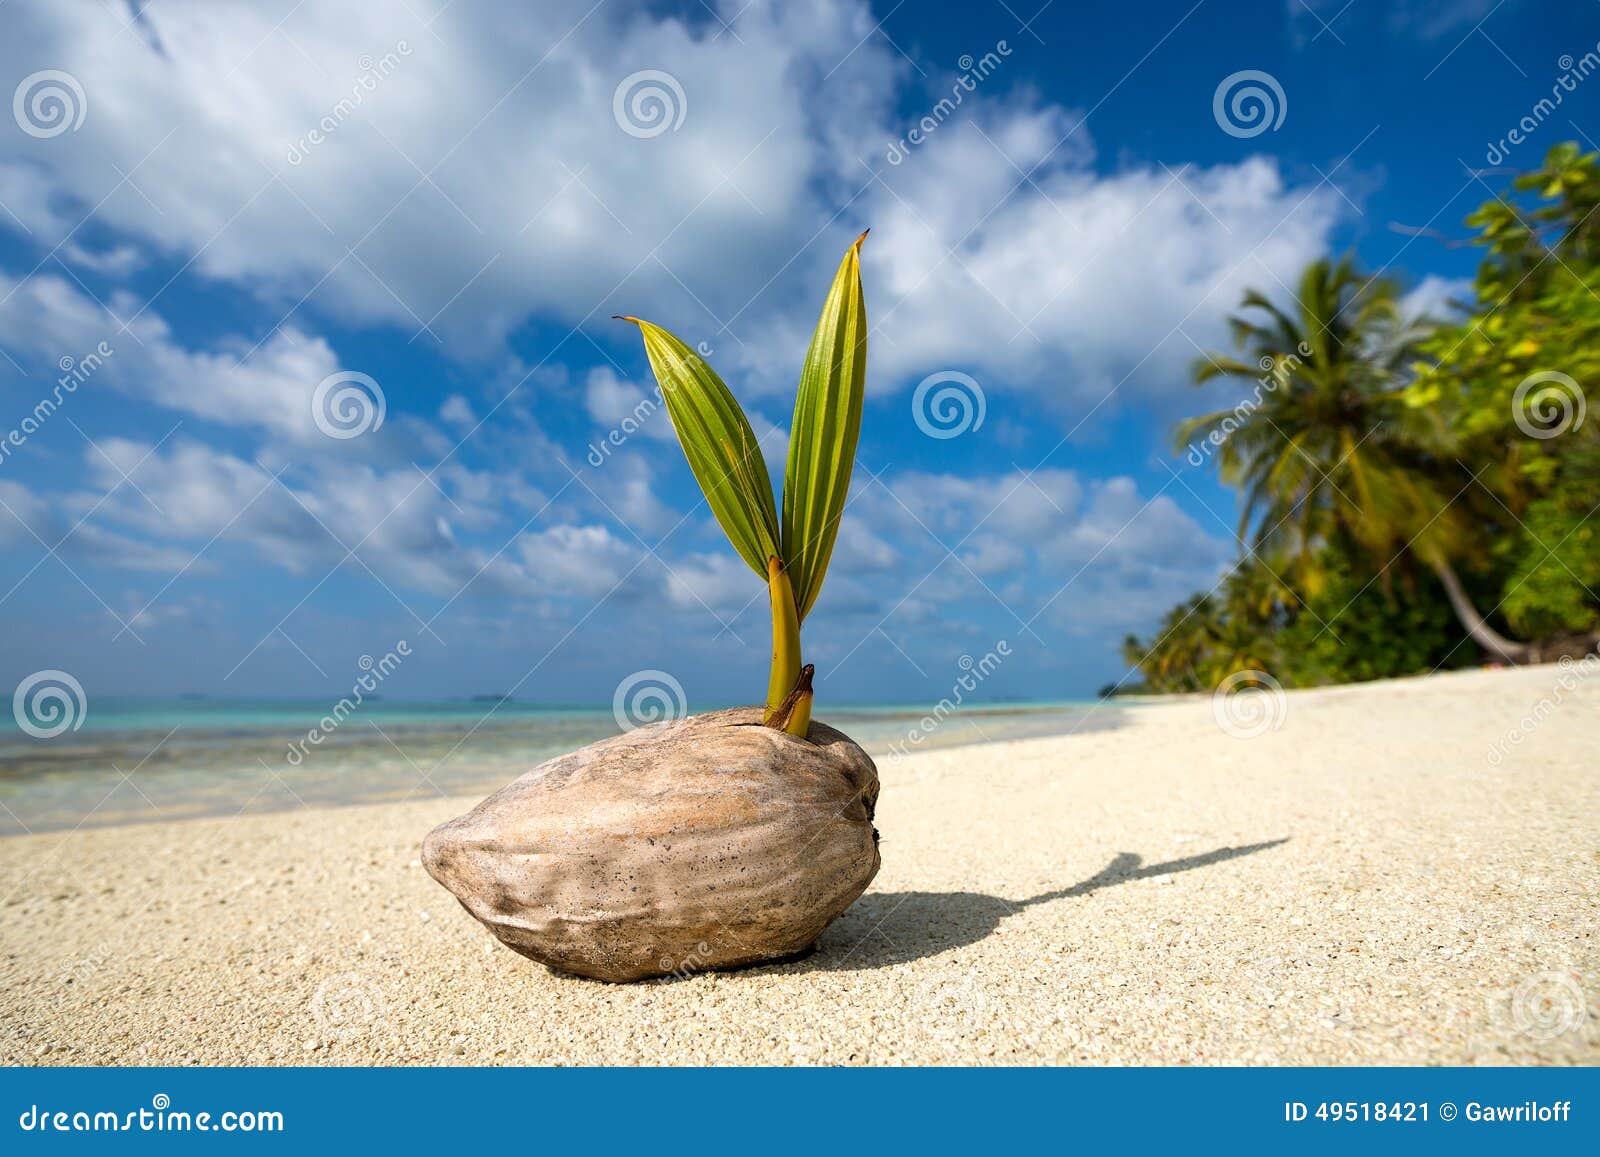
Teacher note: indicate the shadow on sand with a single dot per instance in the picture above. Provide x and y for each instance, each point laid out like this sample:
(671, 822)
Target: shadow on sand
(885, 928)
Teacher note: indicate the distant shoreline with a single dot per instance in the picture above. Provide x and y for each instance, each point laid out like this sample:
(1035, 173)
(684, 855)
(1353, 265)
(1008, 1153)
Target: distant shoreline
(191, 759)
(385, 754)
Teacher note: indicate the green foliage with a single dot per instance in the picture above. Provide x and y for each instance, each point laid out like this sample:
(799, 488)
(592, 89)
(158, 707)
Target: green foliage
(719, 443)
(1555, 560)
(1375, 453)
(1536, 330)
(1327, 446)
(727, 463)
(822, 438)
(1518, 240)
(1355, 630)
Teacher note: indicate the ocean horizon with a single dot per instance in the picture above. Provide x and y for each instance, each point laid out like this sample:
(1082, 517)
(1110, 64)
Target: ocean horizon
(139, 759)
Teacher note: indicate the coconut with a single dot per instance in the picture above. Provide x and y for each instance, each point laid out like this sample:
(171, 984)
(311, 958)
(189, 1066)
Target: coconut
(710, 842)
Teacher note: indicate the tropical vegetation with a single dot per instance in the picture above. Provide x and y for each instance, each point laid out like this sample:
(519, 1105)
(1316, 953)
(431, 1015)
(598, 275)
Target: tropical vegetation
(1414, 493)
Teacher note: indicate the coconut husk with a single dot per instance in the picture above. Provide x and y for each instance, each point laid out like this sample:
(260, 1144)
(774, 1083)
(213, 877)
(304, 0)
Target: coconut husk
(710, 842)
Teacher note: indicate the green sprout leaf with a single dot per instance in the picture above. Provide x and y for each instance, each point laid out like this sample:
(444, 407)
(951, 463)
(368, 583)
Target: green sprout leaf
(822, 439)
(721, 448)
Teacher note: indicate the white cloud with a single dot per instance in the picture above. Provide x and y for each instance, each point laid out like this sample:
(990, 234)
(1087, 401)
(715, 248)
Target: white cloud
(1433, 297)
(398, 525)
(117, 261)
(268, 389)
(25, 193)
(532, 188)
(720, 581)
(582, 561)
(31, 524)
(1075, 282)
(516, 194)
(1083, 554)
(457, 411)
(624, 407)
(1421, 19)
(1020, 506)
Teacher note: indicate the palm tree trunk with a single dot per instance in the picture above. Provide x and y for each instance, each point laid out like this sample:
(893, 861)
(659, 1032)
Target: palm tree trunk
(1482, 633)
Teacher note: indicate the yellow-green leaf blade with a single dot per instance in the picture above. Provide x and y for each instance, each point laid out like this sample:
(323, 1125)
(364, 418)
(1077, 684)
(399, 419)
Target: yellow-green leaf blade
(718, 442)
(822, 438)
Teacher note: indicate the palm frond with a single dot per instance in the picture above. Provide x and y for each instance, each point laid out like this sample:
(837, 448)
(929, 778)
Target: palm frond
(719, 444)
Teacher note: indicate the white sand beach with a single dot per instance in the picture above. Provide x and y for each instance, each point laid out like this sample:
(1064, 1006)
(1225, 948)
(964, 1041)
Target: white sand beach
(1364, 884)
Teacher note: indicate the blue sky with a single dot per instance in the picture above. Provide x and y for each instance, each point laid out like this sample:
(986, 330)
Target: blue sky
(484, 193)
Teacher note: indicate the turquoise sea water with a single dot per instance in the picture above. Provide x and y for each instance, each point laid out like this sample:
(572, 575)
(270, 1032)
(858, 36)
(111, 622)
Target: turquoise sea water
(139, 760)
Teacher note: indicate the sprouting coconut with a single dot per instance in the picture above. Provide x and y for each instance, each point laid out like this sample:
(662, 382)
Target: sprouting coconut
(728, 838)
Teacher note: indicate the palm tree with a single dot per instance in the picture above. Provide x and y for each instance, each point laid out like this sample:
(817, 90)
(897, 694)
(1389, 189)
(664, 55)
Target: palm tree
(1325, 449)
(1181, 654)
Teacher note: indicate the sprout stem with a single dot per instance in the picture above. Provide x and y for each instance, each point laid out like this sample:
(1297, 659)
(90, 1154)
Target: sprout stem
(800, 714)
(794, 713)
(785, 638)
